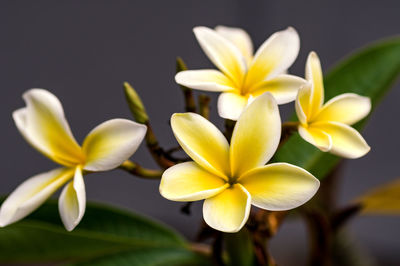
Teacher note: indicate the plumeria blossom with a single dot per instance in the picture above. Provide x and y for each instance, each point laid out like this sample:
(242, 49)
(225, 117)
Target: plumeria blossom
(43, 125)
(241, 74)
(232, 177)
(327, 126)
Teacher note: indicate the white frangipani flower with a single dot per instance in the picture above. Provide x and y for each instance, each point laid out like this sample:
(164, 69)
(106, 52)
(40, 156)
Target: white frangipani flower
(232, 177)
(241, 74)
(43, 125)
(328, 126)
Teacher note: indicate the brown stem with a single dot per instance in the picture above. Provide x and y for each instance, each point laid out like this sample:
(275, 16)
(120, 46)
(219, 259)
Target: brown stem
(320, 238)
(174, 149)
(264, 225)
(139, 113)
(200, 248)
(158, 153)
(320, 217)
(288, 128)
(190, 104)
(204, 108)
(342, 216)
(137, 170)
(229, 126)
(186, 208)
(217, 249)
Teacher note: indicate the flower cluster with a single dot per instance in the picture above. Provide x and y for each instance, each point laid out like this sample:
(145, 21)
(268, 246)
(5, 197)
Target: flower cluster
(229, 177)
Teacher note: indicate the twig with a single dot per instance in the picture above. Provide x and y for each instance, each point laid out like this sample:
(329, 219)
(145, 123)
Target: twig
(139, 113)
(323, 221)
(204, 108)
(200, 248)
(264, 225)
(174, 149)
(190, 104)
(320, 238)
(217, 249)
(229, 126)
(140, 171)
(288, 128)
(158, 153)
(340, 217)
(186, 208)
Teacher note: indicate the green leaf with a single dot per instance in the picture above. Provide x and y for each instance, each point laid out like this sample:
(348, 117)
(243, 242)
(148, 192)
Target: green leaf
(370, 72)
(239, 247)
(105, 236)
(382, 200)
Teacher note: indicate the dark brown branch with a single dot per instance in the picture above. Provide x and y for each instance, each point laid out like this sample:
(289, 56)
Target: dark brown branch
(190, 104)
(204, 108)
(158, 153)
(229, 126)
(288, 129)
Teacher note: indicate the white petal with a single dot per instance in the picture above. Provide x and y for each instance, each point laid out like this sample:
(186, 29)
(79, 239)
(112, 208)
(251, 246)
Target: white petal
(231, 105)
(315, 77)
(284, 88)
(224, 54)
(348, 108)
(111, 143)
(274, 56)
(28, 196)
(189, 182)
(203, 142)
(346, 141)
(229, 210)
(43, 124)
(316, 137)
(238, 37)
(72, 201)
(279, 186)
(205, 79)
(256, 135)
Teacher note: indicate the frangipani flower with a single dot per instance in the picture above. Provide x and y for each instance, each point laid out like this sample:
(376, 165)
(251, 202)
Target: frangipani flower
(241, 74)
(232, 177)
(328, 126)
(43, 125)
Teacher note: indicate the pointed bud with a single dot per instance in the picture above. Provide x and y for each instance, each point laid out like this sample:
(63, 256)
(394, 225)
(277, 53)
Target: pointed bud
(180, 65)
(135, 104)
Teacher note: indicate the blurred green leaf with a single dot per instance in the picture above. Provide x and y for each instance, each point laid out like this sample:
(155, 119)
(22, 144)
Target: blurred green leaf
(370, 72)
(382, 200)
(106, 236)
(239, 247)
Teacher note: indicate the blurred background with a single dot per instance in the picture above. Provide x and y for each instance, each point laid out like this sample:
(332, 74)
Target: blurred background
(82, 51)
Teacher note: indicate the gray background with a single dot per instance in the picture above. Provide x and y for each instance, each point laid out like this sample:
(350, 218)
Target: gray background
(82, 51)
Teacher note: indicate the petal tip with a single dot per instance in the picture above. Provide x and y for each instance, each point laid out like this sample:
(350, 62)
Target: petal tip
(178, 77)
(34, 92)
(269, 99)
(69, 228)
(291, 29)
(3, 220)
(200, 29)
(313, 55)
(175, 116)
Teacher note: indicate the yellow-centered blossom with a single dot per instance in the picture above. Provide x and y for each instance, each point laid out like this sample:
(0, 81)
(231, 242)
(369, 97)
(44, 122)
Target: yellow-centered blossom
(232, 177)
(43, 125)
(241, 74)
(327, 126)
